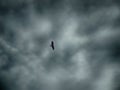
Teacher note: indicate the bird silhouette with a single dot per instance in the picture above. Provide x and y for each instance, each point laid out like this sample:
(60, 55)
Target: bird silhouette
(52, 45)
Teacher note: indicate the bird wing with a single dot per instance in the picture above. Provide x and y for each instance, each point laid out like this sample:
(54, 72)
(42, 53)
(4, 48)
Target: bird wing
(52, 44)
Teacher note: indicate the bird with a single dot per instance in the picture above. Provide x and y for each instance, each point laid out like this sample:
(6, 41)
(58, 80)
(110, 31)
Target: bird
(52, 45)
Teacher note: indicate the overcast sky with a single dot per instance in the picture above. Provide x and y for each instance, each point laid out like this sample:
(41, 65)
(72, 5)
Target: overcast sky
(87, 45)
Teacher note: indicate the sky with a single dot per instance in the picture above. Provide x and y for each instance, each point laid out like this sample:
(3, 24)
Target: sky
(86, 38)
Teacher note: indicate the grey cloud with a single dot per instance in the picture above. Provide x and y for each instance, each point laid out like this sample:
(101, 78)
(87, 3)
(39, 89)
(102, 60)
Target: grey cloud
(86, 36)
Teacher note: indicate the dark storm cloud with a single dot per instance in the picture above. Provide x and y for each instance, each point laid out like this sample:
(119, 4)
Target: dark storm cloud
(86, 35)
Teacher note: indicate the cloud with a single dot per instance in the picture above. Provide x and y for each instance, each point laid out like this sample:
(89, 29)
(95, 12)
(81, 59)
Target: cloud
(86, 52)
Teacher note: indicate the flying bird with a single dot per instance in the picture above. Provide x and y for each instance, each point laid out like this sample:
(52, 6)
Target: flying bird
(52, 45)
